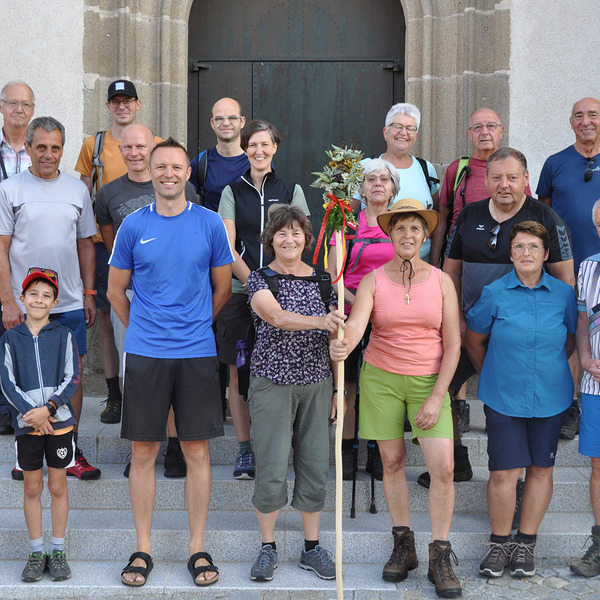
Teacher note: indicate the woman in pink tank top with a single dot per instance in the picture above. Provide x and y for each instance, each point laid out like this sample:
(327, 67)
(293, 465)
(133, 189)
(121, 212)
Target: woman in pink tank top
(409, 363)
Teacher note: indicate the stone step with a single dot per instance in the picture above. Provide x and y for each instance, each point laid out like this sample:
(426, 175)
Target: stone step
(112, 491)
(234, 536)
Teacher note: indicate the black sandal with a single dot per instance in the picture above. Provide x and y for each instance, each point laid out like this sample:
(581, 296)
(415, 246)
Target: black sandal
(143, 571)
(195, 571)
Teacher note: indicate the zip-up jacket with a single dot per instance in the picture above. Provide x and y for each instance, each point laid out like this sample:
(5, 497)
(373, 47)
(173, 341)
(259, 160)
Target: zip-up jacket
(251, 216)
(36, 369)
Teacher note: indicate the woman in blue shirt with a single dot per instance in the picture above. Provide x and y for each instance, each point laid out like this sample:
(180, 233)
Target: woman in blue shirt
(520, 335)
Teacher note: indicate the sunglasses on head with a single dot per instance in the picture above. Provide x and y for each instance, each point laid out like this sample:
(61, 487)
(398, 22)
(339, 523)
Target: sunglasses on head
(53, 275)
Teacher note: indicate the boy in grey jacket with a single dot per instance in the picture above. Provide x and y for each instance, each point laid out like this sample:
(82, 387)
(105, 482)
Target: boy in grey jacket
(39, 372)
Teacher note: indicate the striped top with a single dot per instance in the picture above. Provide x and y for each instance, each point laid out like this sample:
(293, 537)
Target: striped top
(588, 300)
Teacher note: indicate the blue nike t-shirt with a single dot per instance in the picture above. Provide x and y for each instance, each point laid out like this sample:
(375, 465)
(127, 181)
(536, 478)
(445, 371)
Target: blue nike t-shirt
(171, 259)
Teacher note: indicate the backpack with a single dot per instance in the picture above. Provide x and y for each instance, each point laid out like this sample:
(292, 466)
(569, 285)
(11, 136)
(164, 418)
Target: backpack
(245, 347)
(97, 164)
(462, 172)
(431, 181)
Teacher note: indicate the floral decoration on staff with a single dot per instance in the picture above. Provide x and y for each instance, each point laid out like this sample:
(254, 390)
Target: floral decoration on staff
(340, 179)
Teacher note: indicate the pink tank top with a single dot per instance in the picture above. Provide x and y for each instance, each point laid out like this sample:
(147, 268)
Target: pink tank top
(406, 337)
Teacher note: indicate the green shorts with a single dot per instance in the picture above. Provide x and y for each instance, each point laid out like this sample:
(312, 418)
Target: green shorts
(385, 399)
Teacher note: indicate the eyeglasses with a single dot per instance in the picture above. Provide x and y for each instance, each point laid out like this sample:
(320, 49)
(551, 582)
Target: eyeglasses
(53, 275)
(493, 243)
(12, 104)
(520, 248)
(478, 127)
(126, 102)
(397, 127)
(589, 171)
(231, 118)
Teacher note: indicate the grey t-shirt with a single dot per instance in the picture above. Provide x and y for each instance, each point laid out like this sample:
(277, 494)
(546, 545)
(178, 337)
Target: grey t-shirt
(45, 218)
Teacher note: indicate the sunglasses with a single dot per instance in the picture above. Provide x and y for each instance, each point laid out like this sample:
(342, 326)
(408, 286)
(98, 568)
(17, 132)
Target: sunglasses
(493, 243)
(589, 172)
(53, 275)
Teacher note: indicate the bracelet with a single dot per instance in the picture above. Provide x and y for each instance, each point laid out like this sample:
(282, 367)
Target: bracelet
(89, 292)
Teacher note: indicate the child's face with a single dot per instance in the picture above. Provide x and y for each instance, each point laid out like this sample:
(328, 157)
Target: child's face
(39, 299)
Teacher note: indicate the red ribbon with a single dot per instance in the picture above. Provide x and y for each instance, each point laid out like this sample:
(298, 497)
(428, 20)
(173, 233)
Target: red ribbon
(344, 207)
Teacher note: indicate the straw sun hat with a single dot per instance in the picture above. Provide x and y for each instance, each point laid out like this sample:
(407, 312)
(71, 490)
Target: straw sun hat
(409, 205)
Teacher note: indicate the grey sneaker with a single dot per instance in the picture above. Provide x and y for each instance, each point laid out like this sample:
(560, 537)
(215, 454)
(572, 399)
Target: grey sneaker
(589, 564)
(522, 563)
(318, 560)
(58, 566)
(35, 567)
(497, 559)
(266, 563)
(244, 465)
(570, 426)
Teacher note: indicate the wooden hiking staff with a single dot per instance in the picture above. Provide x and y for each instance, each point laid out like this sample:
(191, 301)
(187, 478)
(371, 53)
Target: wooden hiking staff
(341, 409)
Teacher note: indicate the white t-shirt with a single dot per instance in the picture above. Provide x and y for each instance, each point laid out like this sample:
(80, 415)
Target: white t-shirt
(45, 218)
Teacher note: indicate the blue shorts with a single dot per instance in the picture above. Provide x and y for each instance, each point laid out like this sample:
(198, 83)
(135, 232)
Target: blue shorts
(75, 321)
(515, 442)
(589, 426)
(102, 257)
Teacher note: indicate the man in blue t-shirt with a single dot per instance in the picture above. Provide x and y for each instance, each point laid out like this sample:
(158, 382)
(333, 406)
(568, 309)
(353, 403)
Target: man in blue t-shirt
(570, 184)
(178, 260)
(226, 162)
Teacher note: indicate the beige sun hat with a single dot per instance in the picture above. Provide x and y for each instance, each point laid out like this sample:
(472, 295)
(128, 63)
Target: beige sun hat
(409, 205)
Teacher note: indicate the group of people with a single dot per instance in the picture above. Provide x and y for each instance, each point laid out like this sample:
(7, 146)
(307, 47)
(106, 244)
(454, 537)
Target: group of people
(192, 254)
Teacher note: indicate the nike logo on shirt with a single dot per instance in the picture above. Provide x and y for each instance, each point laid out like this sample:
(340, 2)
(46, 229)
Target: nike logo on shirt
(143, 241)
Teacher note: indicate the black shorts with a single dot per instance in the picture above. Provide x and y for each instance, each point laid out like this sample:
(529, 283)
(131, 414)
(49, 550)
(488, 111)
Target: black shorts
(231, 326)
(152, 385)
(354, 360)
(102, 257)
(59, 450)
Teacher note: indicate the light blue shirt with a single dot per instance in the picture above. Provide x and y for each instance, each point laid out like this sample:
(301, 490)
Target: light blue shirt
(526, 370)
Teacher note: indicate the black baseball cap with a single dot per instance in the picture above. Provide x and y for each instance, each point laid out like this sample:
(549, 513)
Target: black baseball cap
(122, 87)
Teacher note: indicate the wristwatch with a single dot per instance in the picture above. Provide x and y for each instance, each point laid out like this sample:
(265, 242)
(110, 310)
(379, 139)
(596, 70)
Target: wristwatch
(51, 408)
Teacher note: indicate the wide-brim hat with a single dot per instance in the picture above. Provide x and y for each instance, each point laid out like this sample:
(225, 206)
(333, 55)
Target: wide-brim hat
(409, 205)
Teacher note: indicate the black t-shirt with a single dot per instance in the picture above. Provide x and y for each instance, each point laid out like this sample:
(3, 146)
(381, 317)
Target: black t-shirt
(470, 242)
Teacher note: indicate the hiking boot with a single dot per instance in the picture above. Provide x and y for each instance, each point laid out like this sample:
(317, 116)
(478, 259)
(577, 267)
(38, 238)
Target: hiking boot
(374, 464)
(318, 560)
(522, 563)
(17, 474)
(244, 465)
(462, 468)
(35, 567)
(589, 564)
(404, 555)
(497, 559)
(463, 415)
(266, 563)
(570, 426)
(82, 468)
(58, 566)
(175, 465)
(347, 464)
(440, 571)
(518, 504)
(6, 427)
(112, 410)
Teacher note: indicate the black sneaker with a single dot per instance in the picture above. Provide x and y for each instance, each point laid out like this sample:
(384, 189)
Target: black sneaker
(462, 468)
(112, 410)
(522, 563)
(497, 559)
(570, 427)
(6, 427)
(17, 474)
(244, 465)
(174, 461)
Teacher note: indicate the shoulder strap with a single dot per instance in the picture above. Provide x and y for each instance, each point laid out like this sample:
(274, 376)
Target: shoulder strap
(4, 174)
(201, 173)
(322, 277)
(462, 172)
(431, 181)
(97, 164)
